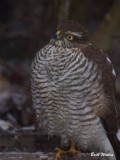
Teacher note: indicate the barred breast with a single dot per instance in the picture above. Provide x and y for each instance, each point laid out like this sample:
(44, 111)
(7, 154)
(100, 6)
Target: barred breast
(67, 91)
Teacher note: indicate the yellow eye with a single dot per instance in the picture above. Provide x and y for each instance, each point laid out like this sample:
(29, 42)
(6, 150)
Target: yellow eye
(70, 37)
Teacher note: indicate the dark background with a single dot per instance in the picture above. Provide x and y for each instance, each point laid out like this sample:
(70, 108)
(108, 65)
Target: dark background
(27, 25)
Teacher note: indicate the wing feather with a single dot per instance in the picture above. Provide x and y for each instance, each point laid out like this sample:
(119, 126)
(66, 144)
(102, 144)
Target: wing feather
(109, 119)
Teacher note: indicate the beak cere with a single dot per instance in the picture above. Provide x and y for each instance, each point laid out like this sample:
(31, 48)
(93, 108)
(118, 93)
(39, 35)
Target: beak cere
(57, 38)
(58, 34)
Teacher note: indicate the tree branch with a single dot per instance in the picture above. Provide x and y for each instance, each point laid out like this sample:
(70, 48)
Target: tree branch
(33, 145)
(63, 9)
(44, 156)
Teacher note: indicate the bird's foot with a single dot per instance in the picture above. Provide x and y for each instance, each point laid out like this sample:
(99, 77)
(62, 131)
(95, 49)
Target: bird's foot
(60, 152)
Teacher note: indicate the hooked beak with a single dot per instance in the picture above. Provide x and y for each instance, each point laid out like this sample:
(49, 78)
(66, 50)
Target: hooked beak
(57, 35)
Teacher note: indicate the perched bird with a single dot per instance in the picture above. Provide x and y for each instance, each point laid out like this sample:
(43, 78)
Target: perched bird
(73, 88)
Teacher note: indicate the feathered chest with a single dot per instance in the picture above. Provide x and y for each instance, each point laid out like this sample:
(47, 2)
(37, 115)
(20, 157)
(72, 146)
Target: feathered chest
(69, 66)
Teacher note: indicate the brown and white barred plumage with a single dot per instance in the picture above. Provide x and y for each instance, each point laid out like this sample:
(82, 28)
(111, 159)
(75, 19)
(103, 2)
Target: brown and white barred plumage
(73, 91)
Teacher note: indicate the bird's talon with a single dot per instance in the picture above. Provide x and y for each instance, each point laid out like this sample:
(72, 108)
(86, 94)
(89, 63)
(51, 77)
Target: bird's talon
(57, 157)
(59, 153)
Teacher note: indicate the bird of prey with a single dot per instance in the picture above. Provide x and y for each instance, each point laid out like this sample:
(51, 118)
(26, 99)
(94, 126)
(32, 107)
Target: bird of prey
(73, 90)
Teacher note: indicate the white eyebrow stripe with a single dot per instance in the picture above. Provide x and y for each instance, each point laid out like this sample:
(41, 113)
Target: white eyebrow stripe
(78, 34)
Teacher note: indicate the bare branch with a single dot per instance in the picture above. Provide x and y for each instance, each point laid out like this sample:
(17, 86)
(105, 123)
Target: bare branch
(44, 156)
(33, 145)
(63, 6)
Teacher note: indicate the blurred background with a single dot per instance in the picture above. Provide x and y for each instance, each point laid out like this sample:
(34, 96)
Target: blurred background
(27, 25)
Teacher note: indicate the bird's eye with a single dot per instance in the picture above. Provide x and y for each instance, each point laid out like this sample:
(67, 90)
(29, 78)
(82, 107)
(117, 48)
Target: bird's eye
(70, 37)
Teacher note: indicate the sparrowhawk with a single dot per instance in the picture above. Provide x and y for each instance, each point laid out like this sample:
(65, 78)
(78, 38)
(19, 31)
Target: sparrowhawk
(73, 89)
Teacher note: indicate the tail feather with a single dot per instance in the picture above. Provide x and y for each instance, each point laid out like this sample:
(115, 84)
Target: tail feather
(115, 143)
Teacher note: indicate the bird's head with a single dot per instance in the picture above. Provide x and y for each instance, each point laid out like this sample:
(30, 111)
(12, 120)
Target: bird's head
(70, 34)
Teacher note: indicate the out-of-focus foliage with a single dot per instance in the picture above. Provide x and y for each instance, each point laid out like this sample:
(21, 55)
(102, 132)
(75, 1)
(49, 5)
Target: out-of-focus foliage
(15, 100)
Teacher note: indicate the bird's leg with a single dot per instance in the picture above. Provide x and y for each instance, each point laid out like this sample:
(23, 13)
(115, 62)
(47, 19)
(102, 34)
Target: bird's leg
(60, 152)
(72, 149)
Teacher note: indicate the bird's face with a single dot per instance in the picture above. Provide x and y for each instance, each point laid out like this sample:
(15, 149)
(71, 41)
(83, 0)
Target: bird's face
(70, 34)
